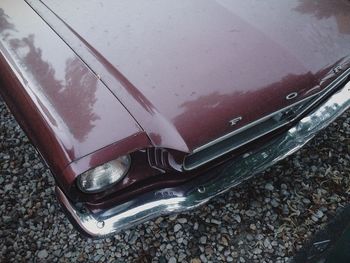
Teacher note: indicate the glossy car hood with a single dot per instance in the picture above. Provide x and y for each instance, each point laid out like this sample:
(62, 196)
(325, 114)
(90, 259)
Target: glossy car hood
(185, 69)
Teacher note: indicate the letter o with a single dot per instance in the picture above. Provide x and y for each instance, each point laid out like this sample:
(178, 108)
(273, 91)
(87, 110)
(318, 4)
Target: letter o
(292, 96)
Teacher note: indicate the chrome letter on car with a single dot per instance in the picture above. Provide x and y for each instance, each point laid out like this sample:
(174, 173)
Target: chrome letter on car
(235, 121)
(292, 96)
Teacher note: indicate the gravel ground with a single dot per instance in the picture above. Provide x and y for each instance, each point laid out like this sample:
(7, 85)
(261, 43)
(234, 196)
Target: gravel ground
(266, 219)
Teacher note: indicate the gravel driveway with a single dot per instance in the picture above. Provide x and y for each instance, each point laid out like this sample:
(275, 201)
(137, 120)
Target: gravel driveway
(264, 220)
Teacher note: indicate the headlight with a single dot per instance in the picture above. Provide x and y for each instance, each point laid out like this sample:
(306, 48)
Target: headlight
(104, 176)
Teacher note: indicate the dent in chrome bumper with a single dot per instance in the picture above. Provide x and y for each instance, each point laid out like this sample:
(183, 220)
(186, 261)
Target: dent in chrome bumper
(193, 194)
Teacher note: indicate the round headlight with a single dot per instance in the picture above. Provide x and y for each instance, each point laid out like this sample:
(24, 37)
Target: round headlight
(104, 176)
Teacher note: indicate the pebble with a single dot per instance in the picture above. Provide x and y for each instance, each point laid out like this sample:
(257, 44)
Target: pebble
(269, 187)
(319, 214)
(314, 218)
(182, 220)
(203, 258)
(177, 228)
(249, 237)
(274, 203)
(182, 256)
(229, 259)
(203, 240)
(306, 201)
(43, 254)
(216, 222)
(252, 227)
(224, 241)
(250, 213)
(267, 244)
(237, 218)
(257, 251)
(6, 219)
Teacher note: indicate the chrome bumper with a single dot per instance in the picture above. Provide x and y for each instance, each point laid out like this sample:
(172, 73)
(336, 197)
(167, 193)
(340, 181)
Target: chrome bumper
(194, 194)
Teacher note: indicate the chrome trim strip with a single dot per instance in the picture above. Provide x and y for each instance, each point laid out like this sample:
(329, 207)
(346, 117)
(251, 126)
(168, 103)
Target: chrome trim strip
(193, 194)
(326, 90)
(320, 95)
(246, 127)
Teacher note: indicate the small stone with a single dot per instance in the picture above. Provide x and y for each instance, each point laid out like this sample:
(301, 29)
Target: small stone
(169, 247)
(314, 218)
(8, 187)
(285, 210)
(203, 240)
(173, 217)
(209, 250)
(229, 259)
(250, 213)
(224, 241)
(6, 219)
(172, 260)
(182, 256)
(57, 253)
(269, 187)
(274, 203)
(203, 258)
(267, 244)
(162, 259)
(306, 201)
(259, 237)
(182, 220)
(257, 251)
(159, 220)
(226, 218)
(26, 165)
(249, 237)
(319, 214)
(43, 254)
(216, 222)
(177, 228)
(237, 218)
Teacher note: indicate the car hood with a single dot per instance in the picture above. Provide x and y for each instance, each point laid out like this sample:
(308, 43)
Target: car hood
(186, 69)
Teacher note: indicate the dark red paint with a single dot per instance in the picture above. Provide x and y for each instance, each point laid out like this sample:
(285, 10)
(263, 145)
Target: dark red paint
(92, 80)
(184, 69)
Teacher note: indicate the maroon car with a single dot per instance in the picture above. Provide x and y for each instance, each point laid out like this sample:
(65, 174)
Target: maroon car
(144, 108)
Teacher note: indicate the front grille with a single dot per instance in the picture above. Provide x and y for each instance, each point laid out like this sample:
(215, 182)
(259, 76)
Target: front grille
(257, 129)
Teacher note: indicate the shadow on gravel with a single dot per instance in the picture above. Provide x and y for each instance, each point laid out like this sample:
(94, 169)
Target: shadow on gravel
(331, 245)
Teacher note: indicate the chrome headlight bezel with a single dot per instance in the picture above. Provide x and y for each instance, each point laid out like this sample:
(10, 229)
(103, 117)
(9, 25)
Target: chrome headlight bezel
(105, 176)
